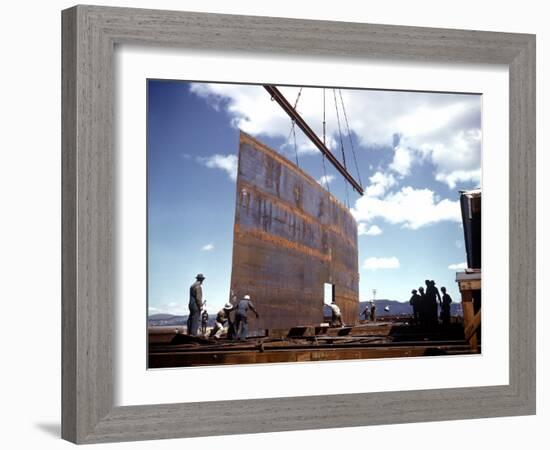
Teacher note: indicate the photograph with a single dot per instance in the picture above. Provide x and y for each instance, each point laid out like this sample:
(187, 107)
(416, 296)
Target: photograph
(308, 223)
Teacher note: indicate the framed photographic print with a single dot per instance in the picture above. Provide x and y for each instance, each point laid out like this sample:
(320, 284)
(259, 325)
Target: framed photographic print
(245, 201)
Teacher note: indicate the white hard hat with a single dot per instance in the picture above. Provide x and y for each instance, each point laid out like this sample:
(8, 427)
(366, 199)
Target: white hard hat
(387, 308)
(247, 297)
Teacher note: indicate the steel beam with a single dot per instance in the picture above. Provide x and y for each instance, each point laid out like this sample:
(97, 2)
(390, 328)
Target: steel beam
(293, 114)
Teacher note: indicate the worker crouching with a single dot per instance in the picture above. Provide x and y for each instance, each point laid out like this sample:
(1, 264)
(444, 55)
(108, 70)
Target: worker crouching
(222, 318)
(336, 315)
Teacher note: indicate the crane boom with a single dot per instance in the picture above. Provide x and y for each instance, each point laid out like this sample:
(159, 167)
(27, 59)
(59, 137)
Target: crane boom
(293, 114)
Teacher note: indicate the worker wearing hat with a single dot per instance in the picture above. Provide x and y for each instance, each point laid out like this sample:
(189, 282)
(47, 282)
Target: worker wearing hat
(241, 317)
(432, 296)
(195, 306)
(221, 319)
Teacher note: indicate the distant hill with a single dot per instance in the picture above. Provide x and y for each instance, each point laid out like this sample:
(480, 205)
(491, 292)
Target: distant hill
(397, 308)
(155, 317)
(157, 320)
(160, 320)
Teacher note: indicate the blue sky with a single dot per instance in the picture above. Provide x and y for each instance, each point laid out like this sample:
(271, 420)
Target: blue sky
(414, 151)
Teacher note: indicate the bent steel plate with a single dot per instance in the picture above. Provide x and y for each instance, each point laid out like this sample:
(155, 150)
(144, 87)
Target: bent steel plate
(291, 237)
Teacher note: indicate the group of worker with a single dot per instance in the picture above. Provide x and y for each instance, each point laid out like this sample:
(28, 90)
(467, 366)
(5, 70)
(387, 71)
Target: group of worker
(426, 304)
(233, 315)
(370, 312)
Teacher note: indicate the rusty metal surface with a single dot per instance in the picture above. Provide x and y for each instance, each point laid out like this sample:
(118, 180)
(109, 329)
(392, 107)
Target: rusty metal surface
(370, 340)
(290, 237)
(365, 341)
(174, 359)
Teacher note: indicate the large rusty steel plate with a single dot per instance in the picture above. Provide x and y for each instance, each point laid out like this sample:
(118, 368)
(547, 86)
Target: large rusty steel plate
(291, 237)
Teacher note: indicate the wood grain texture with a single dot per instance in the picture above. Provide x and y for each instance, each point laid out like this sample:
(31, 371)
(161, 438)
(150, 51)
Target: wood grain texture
(68, 226)
(89, 36)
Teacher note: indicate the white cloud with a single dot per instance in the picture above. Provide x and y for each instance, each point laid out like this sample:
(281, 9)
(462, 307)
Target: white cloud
(380, 183)
(409, 207)
(458, 158)
(444, 129)
(253, 111)
(459, 266)
(402, 160)
(208, 247)
(373, 230)
(227, 163)
(374, 263)
(325, 180)
(458, 176)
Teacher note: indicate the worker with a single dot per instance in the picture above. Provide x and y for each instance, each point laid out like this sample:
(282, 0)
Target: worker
(431, 304)
(241, 317)
(437, 303)
(195, 305)
(221, 319)
(366, 312)
(415, 303)
(423, 307)
(372, 311)
(204, 320)
(231, 329)
(336, 315)
(436, 291)
(432, 296)
(446, 307)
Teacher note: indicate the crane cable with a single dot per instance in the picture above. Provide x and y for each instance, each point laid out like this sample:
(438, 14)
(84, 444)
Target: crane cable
(324, 122)
(293, 128)
(350, 139)
(341, 144)
(326, 183)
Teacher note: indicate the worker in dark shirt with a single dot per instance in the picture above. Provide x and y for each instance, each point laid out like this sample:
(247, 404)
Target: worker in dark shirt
(432, 295)
(195, 306)
(446, 307)
(241, 317)
(415, 303)
(423, 306)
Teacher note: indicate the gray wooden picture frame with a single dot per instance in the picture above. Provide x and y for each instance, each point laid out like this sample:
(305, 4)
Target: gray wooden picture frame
(90, 34)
